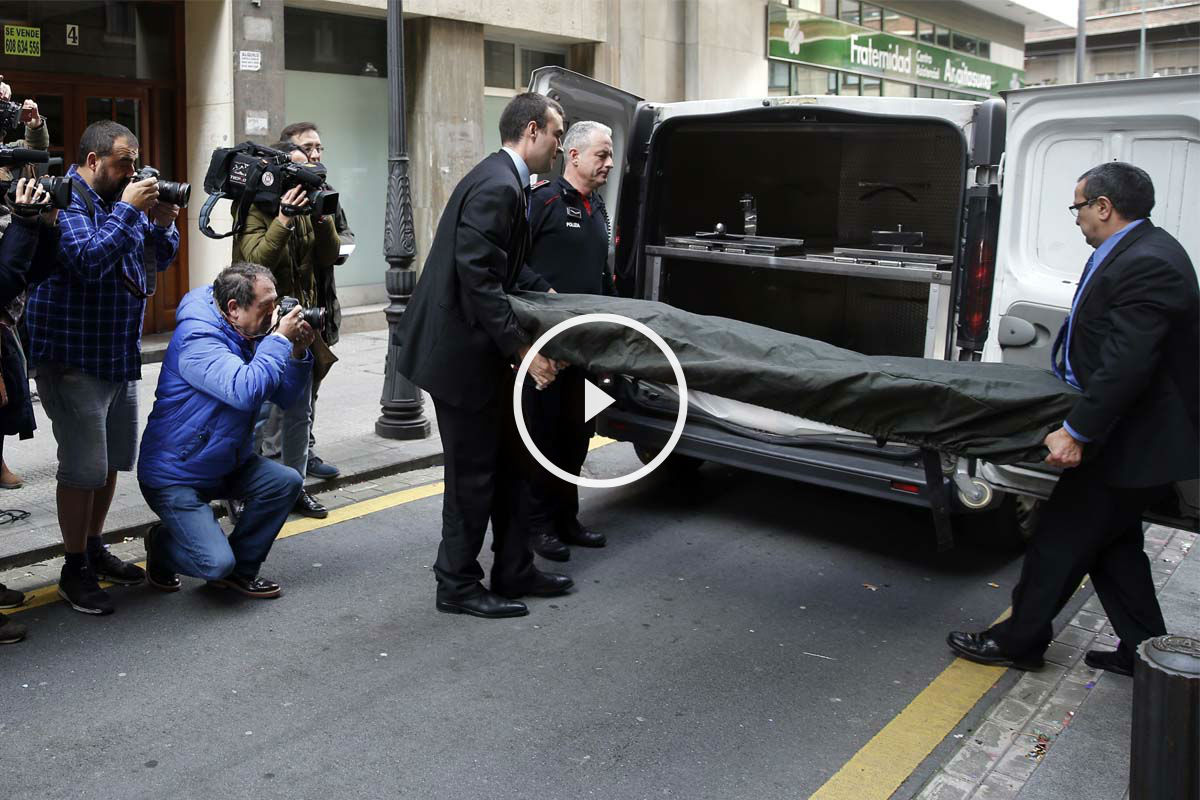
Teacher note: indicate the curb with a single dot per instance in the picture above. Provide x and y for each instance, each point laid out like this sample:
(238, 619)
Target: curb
(138, 530)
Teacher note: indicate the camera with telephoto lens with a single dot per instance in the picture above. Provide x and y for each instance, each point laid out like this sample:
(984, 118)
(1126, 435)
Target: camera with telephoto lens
(315, 317)
(171, 192)
(253, 174)
(59, 188)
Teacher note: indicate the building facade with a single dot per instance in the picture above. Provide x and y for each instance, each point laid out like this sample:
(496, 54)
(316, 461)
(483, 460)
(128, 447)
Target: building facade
(192, 76)
(1125, 39)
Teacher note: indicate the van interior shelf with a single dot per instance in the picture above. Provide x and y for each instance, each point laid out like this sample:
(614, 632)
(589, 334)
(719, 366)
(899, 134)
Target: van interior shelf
(897, 266)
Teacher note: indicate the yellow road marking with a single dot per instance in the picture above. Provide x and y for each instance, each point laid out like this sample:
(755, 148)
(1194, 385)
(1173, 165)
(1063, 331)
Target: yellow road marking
(883, 763)
(44, 595)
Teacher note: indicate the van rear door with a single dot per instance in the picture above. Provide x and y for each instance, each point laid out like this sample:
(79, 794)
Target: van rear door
(1055, 133)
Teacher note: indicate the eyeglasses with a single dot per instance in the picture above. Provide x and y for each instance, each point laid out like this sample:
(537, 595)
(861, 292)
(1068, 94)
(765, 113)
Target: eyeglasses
(1074, 209)
(313, 148)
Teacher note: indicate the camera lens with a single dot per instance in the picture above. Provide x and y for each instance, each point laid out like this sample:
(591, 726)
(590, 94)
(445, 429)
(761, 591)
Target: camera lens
(175, 193)
(315, 317)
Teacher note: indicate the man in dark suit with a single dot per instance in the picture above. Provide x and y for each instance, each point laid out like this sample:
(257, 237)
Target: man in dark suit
(459, 341)
(1131, 345)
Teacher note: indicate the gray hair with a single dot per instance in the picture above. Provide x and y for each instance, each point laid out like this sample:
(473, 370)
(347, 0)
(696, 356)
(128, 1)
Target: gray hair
(236, 282)
(579, 137)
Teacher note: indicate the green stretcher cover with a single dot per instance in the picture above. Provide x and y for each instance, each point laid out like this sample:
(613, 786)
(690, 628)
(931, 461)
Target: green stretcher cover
(997, 412)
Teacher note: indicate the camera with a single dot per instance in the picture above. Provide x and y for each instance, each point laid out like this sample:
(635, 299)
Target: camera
(251, 173)
(10, 115)
(168, 191)
(315, 317)
(59, 188)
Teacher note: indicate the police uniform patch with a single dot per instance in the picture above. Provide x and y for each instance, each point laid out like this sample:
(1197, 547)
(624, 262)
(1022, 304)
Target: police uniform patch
(574, 212)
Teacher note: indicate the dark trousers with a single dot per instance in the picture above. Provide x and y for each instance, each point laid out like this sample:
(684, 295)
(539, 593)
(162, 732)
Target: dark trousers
(484, 460)
(195, 545)
(554, 417)
(1086, 528)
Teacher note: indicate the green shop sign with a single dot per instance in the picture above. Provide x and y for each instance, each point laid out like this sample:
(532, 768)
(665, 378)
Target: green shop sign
(809, 38)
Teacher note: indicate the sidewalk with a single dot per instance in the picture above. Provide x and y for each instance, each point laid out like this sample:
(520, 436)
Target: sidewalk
(344, 427)
(1063, 732)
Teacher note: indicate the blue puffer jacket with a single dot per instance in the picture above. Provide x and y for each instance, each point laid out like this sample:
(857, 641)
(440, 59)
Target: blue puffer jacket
(212, 384)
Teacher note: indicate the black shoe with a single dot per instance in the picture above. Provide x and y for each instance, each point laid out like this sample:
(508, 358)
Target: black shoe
(983, 649)
(251, 587)
(233, 509)
(10, 632)
(11, 598)
(308, 505)
(1109, 661)
(542, 584)
(112, 569)
(483, 604)
(157, 576)
(574, 533)
(319, 469)
(82, 591)
(548, 546)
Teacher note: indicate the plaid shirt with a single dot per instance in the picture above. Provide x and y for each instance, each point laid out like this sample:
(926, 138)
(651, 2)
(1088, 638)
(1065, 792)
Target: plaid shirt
(85, 315)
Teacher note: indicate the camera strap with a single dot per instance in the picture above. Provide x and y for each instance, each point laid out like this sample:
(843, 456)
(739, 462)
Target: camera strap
(241, 209)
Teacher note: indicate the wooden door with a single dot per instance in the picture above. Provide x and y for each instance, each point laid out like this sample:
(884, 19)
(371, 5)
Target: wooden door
(152, 113)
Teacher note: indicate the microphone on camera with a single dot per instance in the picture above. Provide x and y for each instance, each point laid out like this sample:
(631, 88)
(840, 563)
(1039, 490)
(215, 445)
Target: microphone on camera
(23, 155)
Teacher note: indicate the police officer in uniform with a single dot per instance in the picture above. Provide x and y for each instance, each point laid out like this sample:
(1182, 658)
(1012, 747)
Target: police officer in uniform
(569, 231)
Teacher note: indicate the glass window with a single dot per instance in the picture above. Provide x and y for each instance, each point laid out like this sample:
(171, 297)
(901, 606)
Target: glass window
(942, 36)
(829, 8)
(807, 5)
(315, 41)
(899, 24)
(533, 59)
(116, 40)
(964, 43)
(499, 64)
(849, 84)
(778, 77)
(924, 91)
(871, 87)
(871, 16)
(848, 12)
(925, 31)
(808, 80)
(898, 89)
(985, 49)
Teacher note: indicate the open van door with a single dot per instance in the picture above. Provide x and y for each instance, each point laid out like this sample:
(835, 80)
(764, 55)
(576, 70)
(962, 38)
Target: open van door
(584, 98)
(1055, 134)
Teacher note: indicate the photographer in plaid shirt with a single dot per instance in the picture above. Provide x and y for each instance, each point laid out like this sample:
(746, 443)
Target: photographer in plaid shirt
(85, 340)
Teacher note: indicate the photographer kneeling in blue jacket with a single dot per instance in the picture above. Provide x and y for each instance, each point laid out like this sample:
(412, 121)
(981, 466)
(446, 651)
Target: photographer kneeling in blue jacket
(223, 363)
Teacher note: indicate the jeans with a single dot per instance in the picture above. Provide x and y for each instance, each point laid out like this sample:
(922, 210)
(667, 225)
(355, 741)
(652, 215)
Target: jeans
(194, 543)
(285, 432)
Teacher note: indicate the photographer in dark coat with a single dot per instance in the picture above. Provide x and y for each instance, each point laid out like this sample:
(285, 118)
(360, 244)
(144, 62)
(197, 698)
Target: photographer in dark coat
(459, 341)
(28, 253)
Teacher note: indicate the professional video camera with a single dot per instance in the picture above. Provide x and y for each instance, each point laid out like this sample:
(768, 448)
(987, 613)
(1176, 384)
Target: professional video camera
(260, 175)
(168, 191)
(59, 188)
(13, 115)
(315, 317)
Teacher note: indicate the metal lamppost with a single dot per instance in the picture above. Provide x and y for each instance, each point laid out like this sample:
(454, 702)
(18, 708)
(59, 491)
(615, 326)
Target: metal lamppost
(402, 407)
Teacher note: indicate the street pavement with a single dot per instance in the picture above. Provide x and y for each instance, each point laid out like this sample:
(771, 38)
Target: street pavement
(345, 429)
(740, 637)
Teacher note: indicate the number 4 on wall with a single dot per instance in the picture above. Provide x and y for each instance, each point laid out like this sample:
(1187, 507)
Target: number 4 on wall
(73, 35)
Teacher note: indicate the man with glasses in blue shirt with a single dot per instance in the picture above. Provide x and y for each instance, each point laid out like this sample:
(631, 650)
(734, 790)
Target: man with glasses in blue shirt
(1130, 346)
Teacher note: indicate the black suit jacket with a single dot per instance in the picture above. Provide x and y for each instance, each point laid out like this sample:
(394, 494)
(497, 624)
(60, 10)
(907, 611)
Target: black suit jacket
(1135, 350)
(458, 335)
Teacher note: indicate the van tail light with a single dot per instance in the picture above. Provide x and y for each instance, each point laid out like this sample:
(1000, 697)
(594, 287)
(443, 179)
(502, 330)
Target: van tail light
(909, 488)
(979, 260)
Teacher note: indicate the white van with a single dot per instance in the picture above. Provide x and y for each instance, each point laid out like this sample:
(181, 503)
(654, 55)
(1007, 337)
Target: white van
(897, 226)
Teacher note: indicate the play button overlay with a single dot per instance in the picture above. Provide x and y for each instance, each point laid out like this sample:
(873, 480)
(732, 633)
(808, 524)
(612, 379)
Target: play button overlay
(596, 400)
